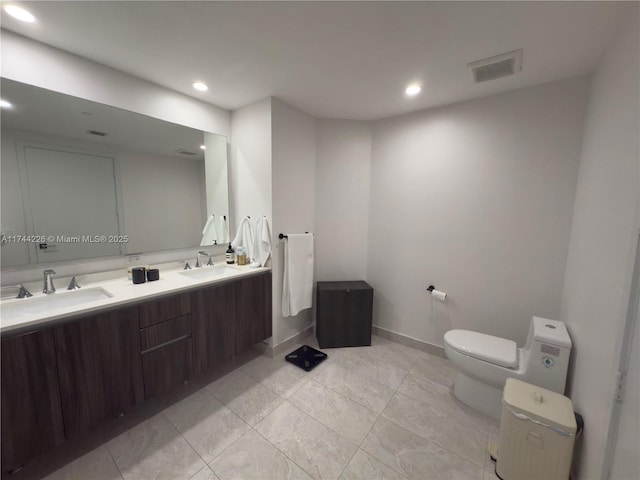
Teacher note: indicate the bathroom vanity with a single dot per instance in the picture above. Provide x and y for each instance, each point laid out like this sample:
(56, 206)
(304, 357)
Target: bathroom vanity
(64, 375)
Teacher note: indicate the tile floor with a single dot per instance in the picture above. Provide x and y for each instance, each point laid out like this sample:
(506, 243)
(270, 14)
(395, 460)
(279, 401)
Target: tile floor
(379, 412)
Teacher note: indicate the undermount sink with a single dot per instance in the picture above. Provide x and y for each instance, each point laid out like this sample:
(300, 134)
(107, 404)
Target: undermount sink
(37, 305)
(209, 272)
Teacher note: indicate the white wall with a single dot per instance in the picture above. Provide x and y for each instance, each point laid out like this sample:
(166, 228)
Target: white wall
(250, 163)
(343, 176)
(475, 198)
(293, 182)
(603, 237)
(25, 60)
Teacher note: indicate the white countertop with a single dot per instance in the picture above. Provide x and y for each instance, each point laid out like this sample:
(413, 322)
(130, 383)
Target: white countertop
(122, 291)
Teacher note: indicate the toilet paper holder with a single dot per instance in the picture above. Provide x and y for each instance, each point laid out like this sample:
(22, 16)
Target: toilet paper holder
(436, 293)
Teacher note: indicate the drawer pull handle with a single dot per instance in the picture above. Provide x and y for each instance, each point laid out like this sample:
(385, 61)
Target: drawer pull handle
(162, 345)
(348, 291)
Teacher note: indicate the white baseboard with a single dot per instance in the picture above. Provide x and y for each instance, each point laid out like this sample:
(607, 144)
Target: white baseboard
(276, 350)
(409, 341)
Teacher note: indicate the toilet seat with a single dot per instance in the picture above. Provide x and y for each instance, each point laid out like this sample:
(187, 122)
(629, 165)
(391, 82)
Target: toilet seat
(487, 348)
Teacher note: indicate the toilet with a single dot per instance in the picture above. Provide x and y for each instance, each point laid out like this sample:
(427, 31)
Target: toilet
(484, 363)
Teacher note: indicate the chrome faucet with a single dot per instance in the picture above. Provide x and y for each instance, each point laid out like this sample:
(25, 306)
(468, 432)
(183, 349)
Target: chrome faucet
(48, 282)
(22, 292)
(202, 252)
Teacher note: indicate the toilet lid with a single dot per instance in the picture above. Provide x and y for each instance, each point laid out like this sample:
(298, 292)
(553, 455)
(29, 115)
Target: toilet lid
(491, 349)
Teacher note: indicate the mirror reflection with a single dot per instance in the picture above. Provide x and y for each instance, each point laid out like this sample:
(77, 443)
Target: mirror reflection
(83, 180)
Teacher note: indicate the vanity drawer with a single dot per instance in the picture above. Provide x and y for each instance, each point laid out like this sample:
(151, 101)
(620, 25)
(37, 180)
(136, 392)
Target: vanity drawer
(167, 368)
(165, 332)
(165, 309)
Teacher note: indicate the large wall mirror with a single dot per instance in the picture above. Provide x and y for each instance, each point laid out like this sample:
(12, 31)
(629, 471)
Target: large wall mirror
(82, 180)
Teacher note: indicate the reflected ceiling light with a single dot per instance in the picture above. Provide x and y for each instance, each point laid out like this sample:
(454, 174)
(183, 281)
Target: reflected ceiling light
(19, 13)
(413, 89)
(202, 147)
(5, 104)
(200, 86)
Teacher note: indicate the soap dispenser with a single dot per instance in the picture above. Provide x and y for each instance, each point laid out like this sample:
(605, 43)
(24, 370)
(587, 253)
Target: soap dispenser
(229, 255)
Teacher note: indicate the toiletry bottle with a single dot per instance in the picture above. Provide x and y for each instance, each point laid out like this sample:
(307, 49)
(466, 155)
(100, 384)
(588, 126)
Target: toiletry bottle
(241, 256)
(229, 255)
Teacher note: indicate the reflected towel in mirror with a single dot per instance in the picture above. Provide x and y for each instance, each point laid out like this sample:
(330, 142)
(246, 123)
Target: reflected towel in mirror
(210, 232)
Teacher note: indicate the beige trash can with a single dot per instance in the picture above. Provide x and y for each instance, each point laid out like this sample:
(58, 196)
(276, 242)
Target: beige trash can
(537, 433)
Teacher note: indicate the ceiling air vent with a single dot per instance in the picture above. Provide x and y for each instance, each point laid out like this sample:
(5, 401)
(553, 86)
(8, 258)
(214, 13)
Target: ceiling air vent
(497, 66)
(97, 133)
(182, 151)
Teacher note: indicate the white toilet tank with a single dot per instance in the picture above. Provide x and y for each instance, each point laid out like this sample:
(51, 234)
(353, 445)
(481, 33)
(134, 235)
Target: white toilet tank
(547, 350)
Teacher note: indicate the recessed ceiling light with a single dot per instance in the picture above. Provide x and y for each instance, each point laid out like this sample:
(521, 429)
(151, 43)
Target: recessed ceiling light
(200, 86)
(19, 13)
(202, 147)
(5, 104)
(413, 89)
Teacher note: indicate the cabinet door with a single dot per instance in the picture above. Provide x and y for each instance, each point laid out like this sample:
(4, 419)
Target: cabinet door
(100, 367)
(254, 311)
(167, 367)
(31, 412)
(213, 315)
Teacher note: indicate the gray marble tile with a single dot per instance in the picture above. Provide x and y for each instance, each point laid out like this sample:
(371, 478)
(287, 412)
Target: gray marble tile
(399, 356)
(339, 413)
(154, 450)
(96, 465)
(247, 398)
(435, 369)
(276, 374)
(365, 364)
(205, 474)
(206, 423)
(444, 429)
(441, 397)
(369, 393)
(317, 449)
(415, 456)
(251, 457)
(365, 467)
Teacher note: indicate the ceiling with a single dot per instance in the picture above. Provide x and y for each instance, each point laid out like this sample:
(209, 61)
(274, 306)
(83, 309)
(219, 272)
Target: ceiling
(347, 60)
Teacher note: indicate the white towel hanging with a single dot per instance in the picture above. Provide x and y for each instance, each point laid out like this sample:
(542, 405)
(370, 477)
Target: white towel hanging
(263, 240)
(244, 237)
(297, 282)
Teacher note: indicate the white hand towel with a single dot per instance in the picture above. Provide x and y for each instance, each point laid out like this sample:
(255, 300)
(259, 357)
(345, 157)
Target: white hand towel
(263, 240)
(244, 237)
(209, 232)
(297, 285)
(223, 230)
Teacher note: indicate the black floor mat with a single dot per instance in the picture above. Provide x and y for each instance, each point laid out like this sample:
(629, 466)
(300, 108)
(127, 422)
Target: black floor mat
(306, 357)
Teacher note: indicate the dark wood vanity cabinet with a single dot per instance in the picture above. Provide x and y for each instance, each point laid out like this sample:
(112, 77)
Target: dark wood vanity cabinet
(253, 319)
(60, 381)
(213, 311)
(99, 368)
(166, 344)
(229, 318)
(31, 410)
